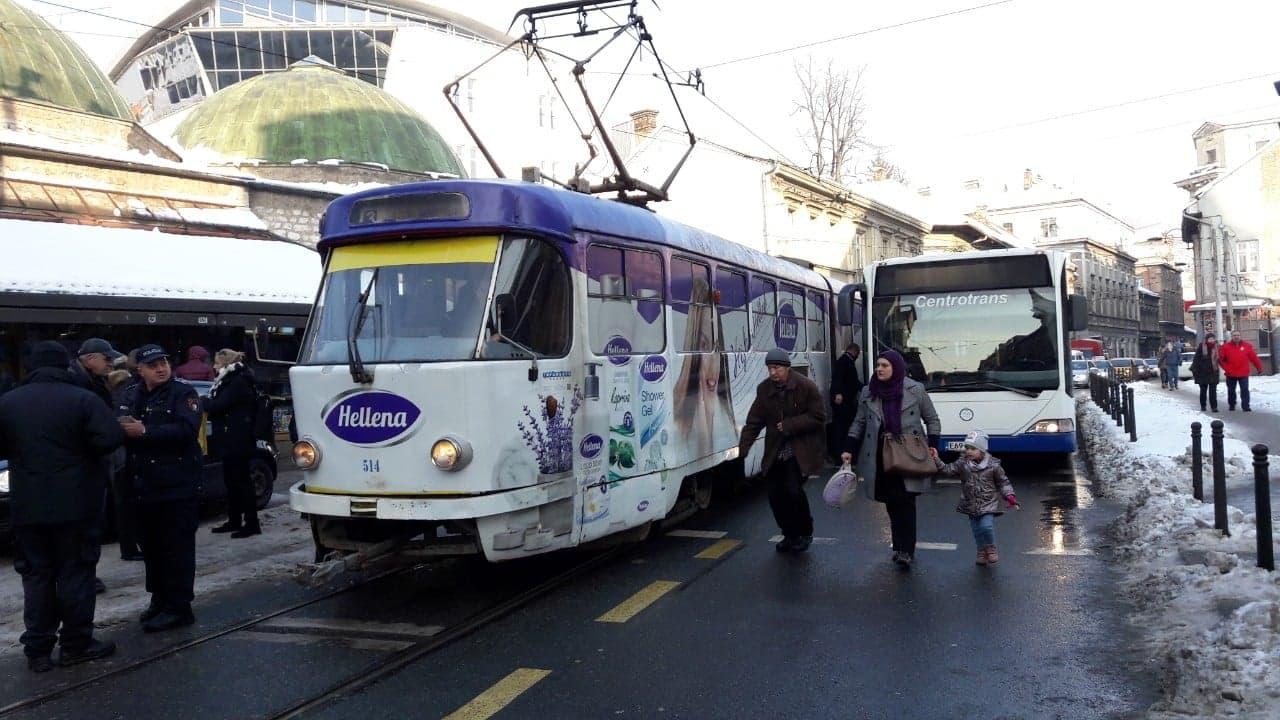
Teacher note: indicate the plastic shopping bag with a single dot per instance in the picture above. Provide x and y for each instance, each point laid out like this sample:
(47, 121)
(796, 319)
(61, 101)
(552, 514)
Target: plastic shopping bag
(841, 488)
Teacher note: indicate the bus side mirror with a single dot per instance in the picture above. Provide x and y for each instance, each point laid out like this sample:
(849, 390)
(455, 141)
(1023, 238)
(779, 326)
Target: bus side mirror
(262, 345)
(1079, 309)
(845, 303)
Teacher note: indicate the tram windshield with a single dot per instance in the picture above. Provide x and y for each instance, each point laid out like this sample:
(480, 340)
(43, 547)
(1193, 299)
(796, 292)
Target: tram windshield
(427, 301)
(1004, 339)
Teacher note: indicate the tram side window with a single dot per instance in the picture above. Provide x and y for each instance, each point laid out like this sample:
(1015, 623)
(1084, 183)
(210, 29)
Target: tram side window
(731, 300)
(533, 273)
(692, 320)
(764, 309)
(817, 314)
(790, 333)
(624, 301)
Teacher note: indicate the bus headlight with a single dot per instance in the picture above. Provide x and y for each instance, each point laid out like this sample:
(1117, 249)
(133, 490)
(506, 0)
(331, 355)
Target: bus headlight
(306, 454)
(450, 453)
(1062, 425)
(4, 481)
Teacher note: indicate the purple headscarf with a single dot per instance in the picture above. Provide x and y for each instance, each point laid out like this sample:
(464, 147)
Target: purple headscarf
(890, 391)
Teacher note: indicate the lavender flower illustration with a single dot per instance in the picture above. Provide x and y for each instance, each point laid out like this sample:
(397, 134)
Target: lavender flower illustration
(551, 438)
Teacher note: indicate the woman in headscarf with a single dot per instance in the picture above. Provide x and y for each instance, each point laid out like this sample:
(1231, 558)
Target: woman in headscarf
(892, 404)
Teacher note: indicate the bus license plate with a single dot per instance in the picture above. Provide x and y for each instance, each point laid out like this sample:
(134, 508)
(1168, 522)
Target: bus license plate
(956, 445)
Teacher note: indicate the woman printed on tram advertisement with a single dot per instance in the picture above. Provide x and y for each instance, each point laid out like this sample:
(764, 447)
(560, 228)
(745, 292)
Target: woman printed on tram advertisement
(703, 408)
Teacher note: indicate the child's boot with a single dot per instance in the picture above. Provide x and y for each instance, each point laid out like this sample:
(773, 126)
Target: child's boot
(993, 557)
(982, 556)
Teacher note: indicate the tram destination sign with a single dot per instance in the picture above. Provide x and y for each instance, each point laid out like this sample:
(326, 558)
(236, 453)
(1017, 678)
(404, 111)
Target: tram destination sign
(410, 207)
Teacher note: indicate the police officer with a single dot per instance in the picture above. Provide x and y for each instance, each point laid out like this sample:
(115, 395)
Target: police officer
(161, 417)
(55, 434)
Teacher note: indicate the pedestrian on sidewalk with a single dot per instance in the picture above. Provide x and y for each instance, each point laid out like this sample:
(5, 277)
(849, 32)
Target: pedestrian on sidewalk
(123, 497)
(163, 425)
(846, 385)
(982, 483)
(231, 405)
(789, 408)
(92, 365)
(1235, 358)
(197, 366)
(1172, 357)
(55, 435)
(1204, 370)
(893, 404)
(1164, 371)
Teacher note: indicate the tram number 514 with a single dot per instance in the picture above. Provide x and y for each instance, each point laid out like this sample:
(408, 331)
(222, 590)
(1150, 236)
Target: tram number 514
(370, 466)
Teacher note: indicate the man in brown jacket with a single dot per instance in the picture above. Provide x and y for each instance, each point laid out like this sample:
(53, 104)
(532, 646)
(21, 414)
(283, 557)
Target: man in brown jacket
(789, 406)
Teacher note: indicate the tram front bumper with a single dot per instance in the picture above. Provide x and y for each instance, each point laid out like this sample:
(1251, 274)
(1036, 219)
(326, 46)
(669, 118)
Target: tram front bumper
(426, 507)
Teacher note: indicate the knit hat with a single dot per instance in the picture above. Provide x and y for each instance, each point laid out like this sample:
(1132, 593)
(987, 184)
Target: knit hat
(977, 439)
(50, 354)
(777, 356)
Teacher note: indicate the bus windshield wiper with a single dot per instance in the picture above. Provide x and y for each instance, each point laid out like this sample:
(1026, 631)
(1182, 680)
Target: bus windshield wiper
(358, 315)
(985, 384)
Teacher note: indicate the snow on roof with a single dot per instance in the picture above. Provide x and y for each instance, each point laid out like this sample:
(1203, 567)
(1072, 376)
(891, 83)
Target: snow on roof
(1148, 293)
(51, 257)
(1246, 303)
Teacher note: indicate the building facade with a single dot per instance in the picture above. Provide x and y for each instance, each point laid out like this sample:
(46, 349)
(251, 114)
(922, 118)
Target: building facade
(1107, 278)
(1148, 323)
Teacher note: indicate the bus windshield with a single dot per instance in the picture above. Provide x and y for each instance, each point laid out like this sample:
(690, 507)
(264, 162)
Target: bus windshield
(982, 340)
(427, 301)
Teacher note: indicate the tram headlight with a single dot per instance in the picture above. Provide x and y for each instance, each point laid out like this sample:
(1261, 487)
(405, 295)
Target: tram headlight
(450, 453)
(306, 454)
(4, 481)
(1061, 425)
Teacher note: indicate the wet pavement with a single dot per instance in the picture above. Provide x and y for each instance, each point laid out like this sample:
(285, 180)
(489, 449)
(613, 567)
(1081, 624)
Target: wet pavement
(700, 627)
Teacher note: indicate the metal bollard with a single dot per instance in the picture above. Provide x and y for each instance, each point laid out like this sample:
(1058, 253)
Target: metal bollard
(1219, 480)
(1262, 507)
(1120, 411)
(1197, 463)
(1130, 417)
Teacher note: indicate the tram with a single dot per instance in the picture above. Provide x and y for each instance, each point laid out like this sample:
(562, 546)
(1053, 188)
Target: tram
(987, 333)
(506, 368)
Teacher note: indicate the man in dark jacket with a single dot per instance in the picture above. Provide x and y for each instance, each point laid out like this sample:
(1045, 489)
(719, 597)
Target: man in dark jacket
(846, 384)
(55, 435)
(163, 424)
(94, 361)
(789, 407)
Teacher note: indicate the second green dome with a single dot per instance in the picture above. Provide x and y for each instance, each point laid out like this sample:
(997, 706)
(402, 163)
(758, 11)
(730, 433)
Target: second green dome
(314, 111)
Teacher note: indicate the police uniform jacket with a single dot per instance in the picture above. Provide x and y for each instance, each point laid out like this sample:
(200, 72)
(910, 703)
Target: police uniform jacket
(164, 463)
(55, 435)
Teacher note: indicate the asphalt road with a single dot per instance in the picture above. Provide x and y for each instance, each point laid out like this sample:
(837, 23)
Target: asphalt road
(740, 632)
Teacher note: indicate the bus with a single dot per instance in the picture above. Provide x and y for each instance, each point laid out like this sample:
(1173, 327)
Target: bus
(987, 334)
(507, 369)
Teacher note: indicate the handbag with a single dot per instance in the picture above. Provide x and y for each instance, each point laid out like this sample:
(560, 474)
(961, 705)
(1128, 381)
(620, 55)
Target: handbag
(841, 488)
(906, 455)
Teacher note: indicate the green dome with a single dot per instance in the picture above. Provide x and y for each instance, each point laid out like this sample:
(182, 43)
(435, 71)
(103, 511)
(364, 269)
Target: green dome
(315, 112)
(38, 62)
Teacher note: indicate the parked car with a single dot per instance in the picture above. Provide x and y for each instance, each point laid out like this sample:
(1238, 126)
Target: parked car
(1126, 369)
(1184, 370)
(212, 490)
(1100, 366)
(1080, 371)
(1152, 367)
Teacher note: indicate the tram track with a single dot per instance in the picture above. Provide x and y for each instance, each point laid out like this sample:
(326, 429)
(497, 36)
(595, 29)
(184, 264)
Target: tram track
(46, 697)
(399, 660)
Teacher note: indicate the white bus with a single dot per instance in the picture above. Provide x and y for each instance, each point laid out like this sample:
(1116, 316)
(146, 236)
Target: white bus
(987, 333)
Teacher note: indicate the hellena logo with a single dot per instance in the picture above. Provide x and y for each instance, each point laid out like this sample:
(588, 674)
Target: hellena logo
(787, 328)
(653, 368)
(372, 418)
(618, 350)
(590, 446)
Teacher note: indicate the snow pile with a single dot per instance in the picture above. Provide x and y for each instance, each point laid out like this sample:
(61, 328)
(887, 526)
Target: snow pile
(1208, 614)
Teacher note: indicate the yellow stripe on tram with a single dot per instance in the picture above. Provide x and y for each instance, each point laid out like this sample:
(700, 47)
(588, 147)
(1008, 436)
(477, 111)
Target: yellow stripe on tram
(488, 703)
(475, 249)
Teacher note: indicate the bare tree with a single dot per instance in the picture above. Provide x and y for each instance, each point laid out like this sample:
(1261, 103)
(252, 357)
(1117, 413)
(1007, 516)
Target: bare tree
(834, 109)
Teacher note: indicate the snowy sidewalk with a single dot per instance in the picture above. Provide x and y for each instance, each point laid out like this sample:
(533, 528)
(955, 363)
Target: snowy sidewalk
(1260, 425)
(1209, 617)
(221, 562)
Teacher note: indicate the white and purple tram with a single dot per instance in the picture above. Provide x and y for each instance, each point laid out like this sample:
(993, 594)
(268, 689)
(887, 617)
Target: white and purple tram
(506, 368)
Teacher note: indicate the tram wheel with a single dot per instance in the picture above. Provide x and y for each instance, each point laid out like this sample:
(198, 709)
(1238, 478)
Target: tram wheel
(703, 490)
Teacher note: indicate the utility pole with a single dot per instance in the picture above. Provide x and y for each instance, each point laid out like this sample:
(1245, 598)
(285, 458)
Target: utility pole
(1217, 282)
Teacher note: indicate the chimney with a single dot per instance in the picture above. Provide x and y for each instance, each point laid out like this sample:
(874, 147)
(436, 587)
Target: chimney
(644, 122)
(1027, 179)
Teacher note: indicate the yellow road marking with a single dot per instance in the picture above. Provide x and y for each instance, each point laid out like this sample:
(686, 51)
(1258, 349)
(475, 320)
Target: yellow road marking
(641, 600)
(489, 702)
(718, 550)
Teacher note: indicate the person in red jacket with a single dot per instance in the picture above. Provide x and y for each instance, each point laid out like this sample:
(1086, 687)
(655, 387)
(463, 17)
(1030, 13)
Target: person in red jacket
(197, 366)
(1235, 358)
